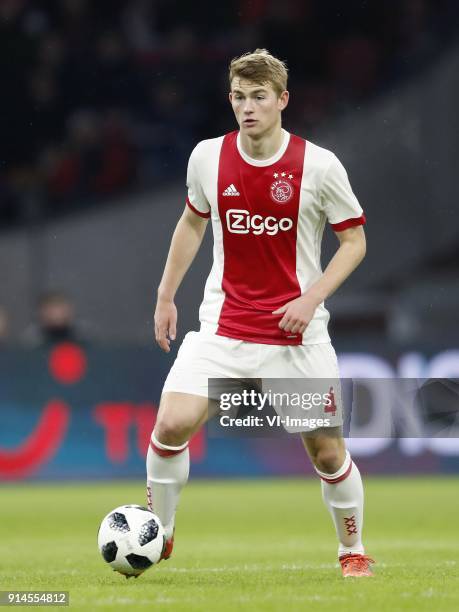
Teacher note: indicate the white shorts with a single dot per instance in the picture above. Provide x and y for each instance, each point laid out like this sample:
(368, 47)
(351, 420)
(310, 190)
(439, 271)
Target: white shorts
(203, 356)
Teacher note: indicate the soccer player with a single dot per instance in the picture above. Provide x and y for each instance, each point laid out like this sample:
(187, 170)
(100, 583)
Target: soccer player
(268, 194)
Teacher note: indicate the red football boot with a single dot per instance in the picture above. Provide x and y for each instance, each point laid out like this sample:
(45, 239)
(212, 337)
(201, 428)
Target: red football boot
(168, 546)
(356, 565)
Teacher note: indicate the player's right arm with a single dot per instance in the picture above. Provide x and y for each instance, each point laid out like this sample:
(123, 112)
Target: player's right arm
(187, 239)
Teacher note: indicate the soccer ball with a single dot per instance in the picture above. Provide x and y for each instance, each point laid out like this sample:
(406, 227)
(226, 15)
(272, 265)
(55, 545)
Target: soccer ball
(131, 539)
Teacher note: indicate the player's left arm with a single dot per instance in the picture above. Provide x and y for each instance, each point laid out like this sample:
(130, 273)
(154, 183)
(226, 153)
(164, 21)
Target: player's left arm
(346, 217)
(299, 312)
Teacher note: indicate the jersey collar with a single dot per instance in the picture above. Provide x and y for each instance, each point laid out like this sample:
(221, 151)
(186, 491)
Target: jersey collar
(264, 162)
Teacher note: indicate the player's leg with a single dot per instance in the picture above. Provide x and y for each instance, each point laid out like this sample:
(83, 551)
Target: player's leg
(342, 487)
(314, 368)
(184, 408)
(180, 415)
(342, 492)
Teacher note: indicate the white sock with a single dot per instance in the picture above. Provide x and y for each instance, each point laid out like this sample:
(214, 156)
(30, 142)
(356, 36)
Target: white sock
(167, 472)
(342, 493)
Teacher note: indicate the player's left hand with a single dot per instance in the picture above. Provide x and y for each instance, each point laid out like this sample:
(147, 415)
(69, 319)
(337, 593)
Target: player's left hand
(297, 314)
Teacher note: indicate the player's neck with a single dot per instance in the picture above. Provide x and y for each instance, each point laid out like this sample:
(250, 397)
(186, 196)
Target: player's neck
(262, 147)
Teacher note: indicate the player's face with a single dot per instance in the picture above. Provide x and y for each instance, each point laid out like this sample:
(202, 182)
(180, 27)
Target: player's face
(257, 107)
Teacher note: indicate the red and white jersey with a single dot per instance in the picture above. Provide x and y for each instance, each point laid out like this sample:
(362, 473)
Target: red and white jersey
(268, 217)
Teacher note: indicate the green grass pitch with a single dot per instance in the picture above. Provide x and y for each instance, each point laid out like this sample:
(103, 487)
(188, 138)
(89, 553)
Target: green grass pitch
(240, 545)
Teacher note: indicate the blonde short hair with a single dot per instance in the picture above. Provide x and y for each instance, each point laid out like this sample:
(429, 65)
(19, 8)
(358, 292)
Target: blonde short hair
(260, 67)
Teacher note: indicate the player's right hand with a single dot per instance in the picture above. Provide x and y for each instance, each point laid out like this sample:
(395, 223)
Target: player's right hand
(165, 323)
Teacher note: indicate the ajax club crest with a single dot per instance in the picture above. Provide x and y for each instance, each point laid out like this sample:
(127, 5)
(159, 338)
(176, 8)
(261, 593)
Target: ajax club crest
(281, 189)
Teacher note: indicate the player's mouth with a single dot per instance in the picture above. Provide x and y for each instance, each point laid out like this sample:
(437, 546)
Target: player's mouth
(249, 122)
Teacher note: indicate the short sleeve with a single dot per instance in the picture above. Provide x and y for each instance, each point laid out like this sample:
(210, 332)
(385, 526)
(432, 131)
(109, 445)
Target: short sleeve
(340, 204)
(196, 199)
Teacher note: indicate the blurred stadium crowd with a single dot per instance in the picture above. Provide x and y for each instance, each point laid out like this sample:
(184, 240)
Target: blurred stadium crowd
(101, 98)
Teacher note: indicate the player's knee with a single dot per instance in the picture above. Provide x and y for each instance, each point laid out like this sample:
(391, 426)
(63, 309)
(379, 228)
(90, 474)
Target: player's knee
(171, 431)
(328, 459)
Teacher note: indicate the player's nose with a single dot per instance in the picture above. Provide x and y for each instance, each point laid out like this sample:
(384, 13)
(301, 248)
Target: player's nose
(248, 107)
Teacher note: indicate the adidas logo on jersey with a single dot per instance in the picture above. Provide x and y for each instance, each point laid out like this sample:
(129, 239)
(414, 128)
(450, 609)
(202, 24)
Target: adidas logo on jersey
(231, 191)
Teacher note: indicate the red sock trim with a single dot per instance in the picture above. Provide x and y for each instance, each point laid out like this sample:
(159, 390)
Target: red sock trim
(165, 452)
(340, 478)
(149, 499)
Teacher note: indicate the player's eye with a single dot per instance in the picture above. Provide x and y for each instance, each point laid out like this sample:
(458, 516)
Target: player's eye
(260, 97)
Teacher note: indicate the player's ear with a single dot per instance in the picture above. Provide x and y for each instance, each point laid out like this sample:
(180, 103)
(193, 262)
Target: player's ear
(283, 100)
(230, 97)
